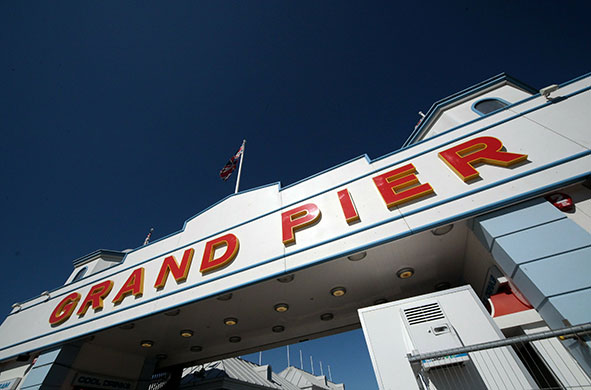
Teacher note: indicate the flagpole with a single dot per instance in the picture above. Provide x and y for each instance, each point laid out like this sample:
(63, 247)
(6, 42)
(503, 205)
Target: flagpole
(240, 166)
(147, 240)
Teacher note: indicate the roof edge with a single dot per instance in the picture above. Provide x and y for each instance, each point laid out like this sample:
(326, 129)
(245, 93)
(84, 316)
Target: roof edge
(499, 78)
(97, 254)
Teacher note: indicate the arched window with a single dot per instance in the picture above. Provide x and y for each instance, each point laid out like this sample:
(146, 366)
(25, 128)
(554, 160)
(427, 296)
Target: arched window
(486, 106)
(80, 274)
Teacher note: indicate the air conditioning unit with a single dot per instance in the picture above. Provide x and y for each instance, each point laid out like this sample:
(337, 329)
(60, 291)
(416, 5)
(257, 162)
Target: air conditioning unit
(430, 330)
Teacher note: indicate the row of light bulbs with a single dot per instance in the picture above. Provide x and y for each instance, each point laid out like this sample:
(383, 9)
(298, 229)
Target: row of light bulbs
(231, 321)
(403, 273)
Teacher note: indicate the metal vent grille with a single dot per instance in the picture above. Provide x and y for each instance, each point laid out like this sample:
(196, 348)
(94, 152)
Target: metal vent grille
(425, 313)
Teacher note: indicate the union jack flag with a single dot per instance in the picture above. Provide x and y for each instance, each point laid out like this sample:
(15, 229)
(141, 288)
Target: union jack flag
(231, 165)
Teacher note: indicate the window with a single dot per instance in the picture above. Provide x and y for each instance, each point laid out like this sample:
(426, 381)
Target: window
(486, 106)
(80, 274)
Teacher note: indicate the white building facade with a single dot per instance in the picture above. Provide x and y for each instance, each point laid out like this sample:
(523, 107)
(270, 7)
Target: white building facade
(491, 191)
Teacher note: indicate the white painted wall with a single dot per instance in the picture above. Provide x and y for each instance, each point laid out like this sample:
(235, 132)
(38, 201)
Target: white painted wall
(462, 112)
(255, 218)
(389, 343)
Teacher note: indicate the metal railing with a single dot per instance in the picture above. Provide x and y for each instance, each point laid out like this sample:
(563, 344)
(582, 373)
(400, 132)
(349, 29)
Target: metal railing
(531, 361)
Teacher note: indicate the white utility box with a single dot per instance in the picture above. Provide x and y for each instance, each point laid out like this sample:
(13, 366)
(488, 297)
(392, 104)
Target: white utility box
(430, 330)
(437, 322)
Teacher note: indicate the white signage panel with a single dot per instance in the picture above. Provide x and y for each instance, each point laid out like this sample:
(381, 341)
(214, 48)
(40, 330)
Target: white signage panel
(262, 234)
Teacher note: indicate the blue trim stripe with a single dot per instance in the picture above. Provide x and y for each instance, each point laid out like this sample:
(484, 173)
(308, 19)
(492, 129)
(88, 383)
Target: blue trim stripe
(454, 218)
(579, 78)
(365, 156)
(438, 146)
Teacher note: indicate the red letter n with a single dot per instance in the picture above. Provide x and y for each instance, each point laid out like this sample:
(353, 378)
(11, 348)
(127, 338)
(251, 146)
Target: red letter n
(179, 273)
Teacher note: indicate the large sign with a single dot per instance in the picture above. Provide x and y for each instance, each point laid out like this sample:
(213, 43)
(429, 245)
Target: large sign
(396, 187)
(268, 232)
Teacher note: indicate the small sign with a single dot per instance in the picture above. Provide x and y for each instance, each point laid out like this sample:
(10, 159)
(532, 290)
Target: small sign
(445, 360)
(9, 384)
(101, 382)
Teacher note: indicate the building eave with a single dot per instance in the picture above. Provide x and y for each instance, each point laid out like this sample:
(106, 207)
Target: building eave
(440, 105)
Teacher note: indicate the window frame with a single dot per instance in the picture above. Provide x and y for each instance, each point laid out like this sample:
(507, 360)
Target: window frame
(480, 113)
(81, 274)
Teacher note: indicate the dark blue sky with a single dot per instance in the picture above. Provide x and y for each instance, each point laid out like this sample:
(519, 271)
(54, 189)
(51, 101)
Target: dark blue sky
(118, 116)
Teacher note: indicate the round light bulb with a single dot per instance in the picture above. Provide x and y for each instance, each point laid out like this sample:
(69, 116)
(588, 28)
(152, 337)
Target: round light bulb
(405, 273)
(338, 291)
(231, 321)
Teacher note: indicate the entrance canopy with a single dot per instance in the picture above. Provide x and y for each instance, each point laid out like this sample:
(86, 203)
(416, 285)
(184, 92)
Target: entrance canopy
(275, 265)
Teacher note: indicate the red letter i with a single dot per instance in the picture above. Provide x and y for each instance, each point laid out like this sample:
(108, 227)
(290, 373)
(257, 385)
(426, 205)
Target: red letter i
(349, 209)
